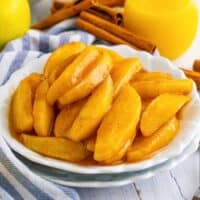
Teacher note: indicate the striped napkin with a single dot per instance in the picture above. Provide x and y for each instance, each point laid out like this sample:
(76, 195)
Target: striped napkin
(16, 180)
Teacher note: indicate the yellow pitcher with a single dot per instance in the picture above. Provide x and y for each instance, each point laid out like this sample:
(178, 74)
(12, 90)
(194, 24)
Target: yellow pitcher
(170, 24)
(14, 19)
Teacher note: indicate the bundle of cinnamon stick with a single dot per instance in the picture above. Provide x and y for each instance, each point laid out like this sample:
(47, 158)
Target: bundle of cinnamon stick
(101, 8)
(99, 17)
(112, 14)
(62, 10)
(112, 32)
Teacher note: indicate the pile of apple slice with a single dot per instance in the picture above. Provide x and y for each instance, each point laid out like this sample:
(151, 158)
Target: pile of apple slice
(92, 102)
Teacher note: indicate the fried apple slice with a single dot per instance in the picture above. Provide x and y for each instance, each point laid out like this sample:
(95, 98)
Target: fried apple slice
(91, 114)
(22, 103)
(145, 146)
(43, 113)
(60, 148)
(160, 110)
(152, 89)
(151, 76)
(72, 74)
(118, 125)
(66, 117)
(34, 80)
(100, 70)
(58, 58)
(22, 107)
(123, 71)
(58, 69)
(114, 55)
(118, 157)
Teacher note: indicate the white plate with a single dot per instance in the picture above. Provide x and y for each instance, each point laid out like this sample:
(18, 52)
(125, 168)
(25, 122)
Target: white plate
(188, 125)
(108, 180)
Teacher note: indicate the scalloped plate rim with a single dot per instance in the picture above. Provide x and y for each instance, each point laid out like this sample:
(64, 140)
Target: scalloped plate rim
(148, 173)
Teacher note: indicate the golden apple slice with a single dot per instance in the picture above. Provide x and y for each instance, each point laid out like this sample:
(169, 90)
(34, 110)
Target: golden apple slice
(22, 107)
(66, 117)
(58, 58)
(34, 80)
(119, 124)
(58, 69)
(114, 55)
(152, 89)
(93, 111)
(43, 113)
(151, 76)
(60, 148)
(100, 70)
(72, 74)
(119, 156)
(160, 110)
(123, 71)
(145, 146)
(22, 103)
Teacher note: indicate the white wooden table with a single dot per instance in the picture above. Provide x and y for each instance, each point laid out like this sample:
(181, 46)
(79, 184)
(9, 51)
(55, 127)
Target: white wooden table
(179, 183)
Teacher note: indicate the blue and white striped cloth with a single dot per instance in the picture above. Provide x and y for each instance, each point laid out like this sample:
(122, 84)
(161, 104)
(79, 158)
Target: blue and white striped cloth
(16, 180)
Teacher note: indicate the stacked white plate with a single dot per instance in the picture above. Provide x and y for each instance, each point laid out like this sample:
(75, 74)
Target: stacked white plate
(185, 143)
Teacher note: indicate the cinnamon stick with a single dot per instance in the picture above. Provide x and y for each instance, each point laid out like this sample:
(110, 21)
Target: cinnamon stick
(111, 3)
(57, 5)
(195, 76)
(196, 65)
(106, 12)
(100, 14)
(117, 31)
(68, 12)
(62, 14)
(60, 4)
(99, 32)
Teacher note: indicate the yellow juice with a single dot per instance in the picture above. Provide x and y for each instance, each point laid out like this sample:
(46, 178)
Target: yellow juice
(170, 24)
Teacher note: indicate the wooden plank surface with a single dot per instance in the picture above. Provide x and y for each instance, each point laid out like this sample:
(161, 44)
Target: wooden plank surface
(179, 183)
